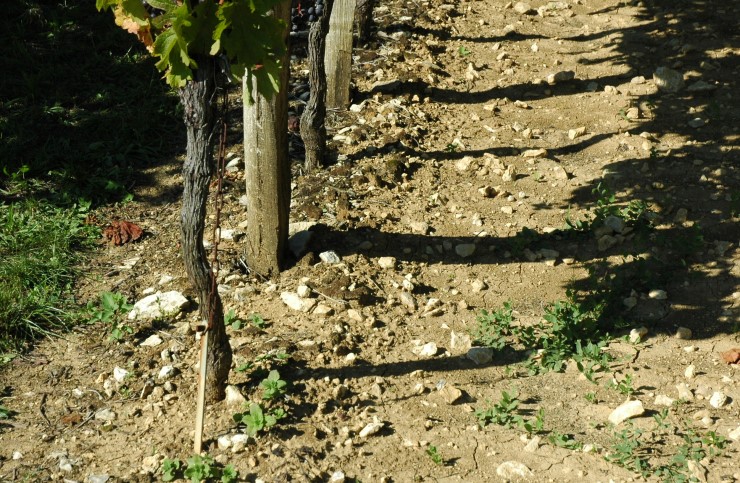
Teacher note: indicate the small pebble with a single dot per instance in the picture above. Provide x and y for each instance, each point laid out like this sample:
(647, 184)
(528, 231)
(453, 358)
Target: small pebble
(683, 333)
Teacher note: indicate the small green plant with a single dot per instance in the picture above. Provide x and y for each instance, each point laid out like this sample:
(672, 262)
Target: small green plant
(199, 468)
(624, 386)
(628, 450)
(170, 469)
(279, 357)
(273, 386)
(591, 358)
(257, 321)
(5, 413)
(566, 441)
(537, 425)
(110, 309)
(257, 420)
(452, 147)
(494, 327)
(463, 51)
(591, 397)
(231, 320)
(435, 455)
(502, 413)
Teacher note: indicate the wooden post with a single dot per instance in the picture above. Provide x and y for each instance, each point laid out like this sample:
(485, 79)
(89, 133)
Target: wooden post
(339, 54)
(268, 170)
(200, 412)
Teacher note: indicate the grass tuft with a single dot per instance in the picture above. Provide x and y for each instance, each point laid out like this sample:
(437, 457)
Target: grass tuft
(39, 245)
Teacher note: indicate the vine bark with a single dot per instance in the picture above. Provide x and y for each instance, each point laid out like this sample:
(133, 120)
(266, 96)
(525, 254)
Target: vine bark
(313, 120)
(197, 99)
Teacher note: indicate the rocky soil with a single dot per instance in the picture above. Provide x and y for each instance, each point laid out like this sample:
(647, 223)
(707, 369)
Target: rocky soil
(480, 133)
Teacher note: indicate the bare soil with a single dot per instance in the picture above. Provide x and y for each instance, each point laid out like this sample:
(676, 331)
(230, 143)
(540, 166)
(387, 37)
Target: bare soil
(426, 166)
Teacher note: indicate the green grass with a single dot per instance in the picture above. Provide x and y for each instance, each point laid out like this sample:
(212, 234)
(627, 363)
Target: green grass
(82, 112)
(39, 246)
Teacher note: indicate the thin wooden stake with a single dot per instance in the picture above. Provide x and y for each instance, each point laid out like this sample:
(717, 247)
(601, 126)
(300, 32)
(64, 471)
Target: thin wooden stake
(201, 409)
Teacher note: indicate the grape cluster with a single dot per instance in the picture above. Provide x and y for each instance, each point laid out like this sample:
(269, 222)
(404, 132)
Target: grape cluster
(305, 12)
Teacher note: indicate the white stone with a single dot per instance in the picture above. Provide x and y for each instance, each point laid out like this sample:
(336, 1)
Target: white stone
(17, 455)
(533, 444)
(658, 294)
(734, 434)
(690, 371)
(513, 469)
(292, 300)
(534, 153)
(165, 279)
(371, 428)
(718, 399)
(562, 76)
(159, 305)
(419, 227)
(105, 414)
(224, 442)
(239, 442)
(464, 163)
(234, 397)
(65, 464)
(459, 341)
(427, 350)
(465, 249)
(152, 341)
(387, 262)
(480, 355)
(615, 223)
(166, 372)
(627, 410)
(330, 257)
(637, 334)
(303, 291)
(577, 132)
(668, 80)
(663, 400)
(684, 392)
(683, 333)
(337, 477)
(119, 374)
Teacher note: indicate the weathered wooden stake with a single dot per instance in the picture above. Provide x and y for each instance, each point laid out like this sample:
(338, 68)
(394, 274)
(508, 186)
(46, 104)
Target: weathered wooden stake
(339, 54)
(268, 170)
(201, 406)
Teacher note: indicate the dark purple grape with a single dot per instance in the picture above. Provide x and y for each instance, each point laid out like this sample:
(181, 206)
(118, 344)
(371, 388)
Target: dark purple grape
(312, 18)
(311, 11)
(319, 9)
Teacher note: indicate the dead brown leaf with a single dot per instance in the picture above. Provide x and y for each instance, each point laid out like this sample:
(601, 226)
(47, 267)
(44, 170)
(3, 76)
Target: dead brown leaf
(121, 232)
(71, 419)
(731, 356)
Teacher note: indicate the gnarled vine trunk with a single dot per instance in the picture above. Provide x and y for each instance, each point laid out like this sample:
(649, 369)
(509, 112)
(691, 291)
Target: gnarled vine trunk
(313, 120)
(364, 19)
(197, 98)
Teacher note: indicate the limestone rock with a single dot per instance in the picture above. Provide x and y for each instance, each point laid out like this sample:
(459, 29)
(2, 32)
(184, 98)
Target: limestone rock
(159, 305)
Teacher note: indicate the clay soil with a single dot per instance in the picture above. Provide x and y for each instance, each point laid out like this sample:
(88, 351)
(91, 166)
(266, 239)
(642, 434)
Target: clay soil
(435, 166)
